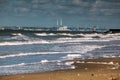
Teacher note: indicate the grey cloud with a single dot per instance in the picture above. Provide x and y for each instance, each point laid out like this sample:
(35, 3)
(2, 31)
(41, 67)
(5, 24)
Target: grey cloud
(40, 1)
(73, 3)
(73, 7)
(21, 10)
(101, 7)
(113, 1)
(105, 4)
(110, 11)
(81, 3)
(61, 7)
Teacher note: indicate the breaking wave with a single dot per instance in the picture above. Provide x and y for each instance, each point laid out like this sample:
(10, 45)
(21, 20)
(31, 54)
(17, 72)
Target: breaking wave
(26, 54)
(20, 39)
(65, 47)
(58, 49)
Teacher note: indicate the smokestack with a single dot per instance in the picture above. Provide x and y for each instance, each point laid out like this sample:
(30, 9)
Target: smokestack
(61, 22)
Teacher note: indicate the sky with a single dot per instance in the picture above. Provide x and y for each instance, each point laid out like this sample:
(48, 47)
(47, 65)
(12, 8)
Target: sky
(74, 13)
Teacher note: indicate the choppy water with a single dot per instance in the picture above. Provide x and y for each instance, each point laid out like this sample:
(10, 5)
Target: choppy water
(39, 52)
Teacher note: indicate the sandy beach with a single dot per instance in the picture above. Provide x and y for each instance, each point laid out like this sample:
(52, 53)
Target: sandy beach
(90, 69)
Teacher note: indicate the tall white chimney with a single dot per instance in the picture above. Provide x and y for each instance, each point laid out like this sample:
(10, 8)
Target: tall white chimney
(61, 22)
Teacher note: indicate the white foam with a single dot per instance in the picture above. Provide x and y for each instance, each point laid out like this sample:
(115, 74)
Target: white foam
(23, 43)
(108, 63)
(66, 34)
(20, 36)
(14, 65)
(17, 34)
(80, 61)
(69, 63)
(60, 40)
(44, 61)
(44, 34)
(111, 36)
(64, 49)
(34, 53)
(72, 56)
(75, 48)
(87, 38)
(26, 54)
(41, 34)
(72, 67)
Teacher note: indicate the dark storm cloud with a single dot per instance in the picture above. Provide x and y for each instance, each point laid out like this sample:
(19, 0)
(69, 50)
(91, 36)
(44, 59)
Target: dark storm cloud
(61, 7)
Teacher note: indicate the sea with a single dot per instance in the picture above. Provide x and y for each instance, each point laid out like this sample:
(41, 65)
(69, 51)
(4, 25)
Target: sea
(40, 52)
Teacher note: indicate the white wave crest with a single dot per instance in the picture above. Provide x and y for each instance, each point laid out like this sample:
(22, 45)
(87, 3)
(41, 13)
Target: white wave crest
(26, 54)
(19, 36)
(23, 43)
(44, 61)
(16, 34)
(72, 56)
(44, 34)
(69, 63)
(60, 40)
(14, 65)
(75, 48)
(87, 38)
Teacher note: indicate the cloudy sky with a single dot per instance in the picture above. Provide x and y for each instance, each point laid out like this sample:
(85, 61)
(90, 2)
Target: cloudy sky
(84, 13)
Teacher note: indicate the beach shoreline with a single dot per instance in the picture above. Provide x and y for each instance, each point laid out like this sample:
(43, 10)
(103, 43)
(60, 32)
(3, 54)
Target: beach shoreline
(90, 69)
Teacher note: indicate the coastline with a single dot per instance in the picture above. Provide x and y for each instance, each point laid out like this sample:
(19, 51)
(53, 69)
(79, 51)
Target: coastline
(90, 69)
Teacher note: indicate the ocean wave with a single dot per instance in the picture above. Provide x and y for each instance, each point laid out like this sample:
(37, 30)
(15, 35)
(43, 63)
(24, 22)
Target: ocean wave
(53, 34)
(89, 46)
(42, 62)
(59, 40)
(17, 34)
(13, 65)
(44, 34)
(23, 42)
(58, 49)
(26, 54)
(71, 56)
(75, 48)
(20, 38)
(86, 38)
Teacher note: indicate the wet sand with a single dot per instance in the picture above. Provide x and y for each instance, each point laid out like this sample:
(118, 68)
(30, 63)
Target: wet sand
(91, 69)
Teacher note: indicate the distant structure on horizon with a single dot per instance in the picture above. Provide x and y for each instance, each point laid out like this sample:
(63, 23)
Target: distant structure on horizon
(60, 26)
